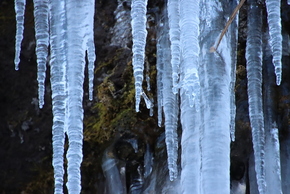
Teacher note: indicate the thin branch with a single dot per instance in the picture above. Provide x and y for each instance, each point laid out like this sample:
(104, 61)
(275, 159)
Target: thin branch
(214, 48)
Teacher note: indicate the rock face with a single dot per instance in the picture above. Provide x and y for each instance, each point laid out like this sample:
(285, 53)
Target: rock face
(112, 128)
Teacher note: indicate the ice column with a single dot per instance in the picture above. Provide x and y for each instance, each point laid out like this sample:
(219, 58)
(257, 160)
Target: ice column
(254, 75)
(215, 78)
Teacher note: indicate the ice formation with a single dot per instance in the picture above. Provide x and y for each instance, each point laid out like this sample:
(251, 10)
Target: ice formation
(19, 11)
(186, 70)
(275, 31)
(71, 35)
(139, 34)
(169, 99)
(254, 75)
(42, 41)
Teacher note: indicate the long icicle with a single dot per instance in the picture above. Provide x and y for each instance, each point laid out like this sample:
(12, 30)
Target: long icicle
(58, 64)
(139, 34)
(170, 104)
(254, 75)
(42, 39)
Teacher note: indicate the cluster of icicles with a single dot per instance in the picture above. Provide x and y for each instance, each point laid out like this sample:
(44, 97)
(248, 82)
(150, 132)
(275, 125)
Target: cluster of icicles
(189, 78)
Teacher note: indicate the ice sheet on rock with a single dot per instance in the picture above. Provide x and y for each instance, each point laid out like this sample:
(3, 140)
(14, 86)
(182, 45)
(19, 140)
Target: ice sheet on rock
(275, 31)
(58, 64)
(19, 6)
(254, 75)
(174, 35)
(148, 161)
(139, 34)
(114, 182)
(42, 39)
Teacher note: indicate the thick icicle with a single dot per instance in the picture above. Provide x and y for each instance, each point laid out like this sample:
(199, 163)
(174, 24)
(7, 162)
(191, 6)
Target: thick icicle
(139, 34)
(170, 102)
(215, 77)
(174, 35)
(42, 39)
(189, 96)
(189, 30)
(275, 31)
(19, 10)
(58, 66)
(77, 12)
(254, 75)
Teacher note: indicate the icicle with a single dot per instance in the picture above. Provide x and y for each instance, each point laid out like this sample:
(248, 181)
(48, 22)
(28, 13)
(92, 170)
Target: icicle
(189, 30)
(189, 96)
(272, 145)
(77, 12)
(139, 34)
(148, 75)
(159, 67)
(170, 103)
(275, 31)
(253, 187)
(272, 162)
(42, 39)
(234, 41)
(254, 75)
(148, 102)
(58, 66)
(174, 34)
(91, 46)
(19, 10)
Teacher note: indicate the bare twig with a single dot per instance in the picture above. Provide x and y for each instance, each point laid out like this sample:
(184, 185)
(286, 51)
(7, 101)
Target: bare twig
(214, 48)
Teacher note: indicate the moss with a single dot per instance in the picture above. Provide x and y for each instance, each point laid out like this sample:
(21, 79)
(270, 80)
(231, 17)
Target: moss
(115, 96)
